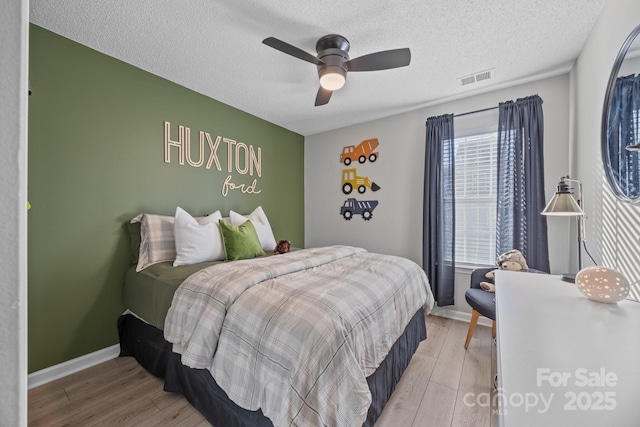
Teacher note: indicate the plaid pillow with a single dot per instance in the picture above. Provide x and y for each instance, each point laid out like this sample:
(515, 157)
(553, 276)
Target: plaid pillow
(157, 240)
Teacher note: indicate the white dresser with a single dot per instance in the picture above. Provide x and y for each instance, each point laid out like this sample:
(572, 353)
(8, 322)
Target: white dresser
(564, 360)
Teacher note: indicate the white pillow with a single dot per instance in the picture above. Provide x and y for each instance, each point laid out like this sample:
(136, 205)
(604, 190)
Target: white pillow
(260, 223)
(197, 240)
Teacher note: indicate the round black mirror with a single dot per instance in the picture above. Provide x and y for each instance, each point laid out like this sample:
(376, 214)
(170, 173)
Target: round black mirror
(620, 132)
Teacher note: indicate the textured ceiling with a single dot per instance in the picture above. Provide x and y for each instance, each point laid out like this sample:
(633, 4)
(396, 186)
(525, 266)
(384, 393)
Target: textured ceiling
(215, 48)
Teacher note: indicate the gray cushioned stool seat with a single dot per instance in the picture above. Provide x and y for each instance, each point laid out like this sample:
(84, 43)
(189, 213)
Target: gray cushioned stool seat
(482, 302)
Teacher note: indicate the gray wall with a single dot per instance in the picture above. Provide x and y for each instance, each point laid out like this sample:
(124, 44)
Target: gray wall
(13, 231)
(396, 226)
(613, 227)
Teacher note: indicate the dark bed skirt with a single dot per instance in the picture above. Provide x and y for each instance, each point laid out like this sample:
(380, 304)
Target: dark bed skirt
(146, 343)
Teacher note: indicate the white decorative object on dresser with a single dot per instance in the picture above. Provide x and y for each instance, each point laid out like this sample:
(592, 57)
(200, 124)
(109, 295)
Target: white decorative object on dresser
(564, 360)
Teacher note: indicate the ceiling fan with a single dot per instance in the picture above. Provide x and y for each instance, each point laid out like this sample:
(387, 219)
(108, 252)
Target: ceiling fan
(333, 61)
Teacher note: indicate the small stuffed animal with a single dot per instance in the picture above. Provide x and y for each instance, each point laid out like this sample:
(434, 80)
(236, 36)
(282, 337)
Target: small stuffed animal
(282, 247)
(512, 260)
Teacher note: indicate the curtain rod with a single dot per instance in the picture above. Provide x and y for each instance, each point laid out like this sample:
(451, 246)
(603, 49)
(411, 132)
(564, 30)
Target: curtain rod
(477, 111)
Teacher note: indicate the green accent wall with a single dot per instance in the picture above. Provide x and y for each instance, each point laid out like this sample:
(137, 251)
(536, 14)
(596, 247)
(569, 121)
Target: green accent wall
(96, 160)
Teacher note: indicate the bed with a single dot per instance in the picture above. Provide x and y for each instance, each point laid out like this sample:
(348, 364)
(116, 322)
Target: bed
(313, 337)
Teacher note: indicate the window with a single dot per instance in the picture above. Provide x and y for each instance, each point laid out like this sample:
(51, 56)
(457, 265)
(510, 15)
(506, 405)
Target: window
(621, 166)
(476, 162)
(475, 177)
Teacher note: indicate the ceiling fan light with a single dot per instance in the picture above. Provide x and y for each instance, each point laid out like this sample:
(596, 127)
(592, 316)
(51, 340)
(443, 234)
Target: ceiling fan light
(332, 78)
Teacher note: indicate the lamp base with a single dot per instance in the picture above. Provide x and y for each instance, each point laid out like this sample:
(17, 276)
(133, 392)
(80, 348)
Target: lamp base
(568, 277)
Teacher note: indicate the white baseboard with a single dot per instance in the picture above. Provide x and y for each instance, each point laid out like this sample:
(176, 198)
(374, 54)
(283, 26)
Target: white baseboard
(70, 366)
(459, 315)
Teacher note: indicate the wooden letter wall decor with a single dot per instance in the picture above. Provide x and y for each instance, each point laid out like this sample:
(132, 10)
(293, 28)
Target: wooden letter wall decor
(242, 158)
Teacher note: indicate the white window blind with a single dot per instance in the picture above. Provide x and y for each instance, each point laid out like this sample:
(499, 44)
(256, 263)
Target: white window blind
(475, 192)
(476, 162)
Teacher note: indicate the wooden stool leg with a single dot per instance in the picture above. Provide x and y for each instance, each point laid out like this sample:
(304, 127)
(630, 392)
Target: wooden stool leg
(493, 329)
(472, 327)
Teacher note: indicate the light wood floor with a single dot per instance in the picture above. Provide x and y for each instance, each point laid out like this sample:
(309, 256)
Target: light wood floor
(431, 392)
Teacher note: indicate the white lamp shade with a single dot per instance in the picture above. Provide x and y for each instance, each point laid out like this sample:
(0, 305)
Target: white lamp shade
(634, 147)
(602, 284)
(563, 204)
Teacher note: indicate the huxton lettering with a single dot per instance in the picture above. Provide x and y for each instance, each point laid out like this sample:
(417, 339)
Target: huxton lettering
(243, 158)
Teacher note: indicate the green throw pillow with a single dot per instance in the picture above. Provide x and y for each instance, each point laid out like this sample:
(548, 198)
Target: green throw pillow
(240, 242)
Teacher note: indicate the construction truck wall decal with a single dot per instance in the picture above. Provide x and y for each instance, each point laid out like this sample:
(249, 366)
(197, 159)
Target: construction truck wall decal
(353, 207)
(360, 152)
(351, 180)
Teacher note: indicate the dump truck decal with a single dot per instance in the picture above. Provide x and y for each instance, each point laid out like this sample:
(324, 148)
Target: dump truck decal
(353, 207)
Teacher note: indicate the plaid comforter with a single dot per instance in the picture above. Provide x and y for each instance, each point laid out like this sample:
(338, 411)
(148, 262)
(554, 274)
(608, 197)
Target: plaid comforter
(297, 334)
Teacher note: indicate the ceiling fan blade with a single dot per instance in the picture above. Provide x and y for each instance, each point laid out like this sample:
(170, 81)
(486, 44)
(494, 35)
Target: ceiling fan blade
(381, 60)
(323, 96)
(291, 50)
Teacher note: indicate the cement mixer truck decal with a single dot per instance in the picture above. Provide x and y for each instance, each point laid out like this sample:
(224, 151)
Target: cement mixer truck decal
(353, 207)
(360, 152)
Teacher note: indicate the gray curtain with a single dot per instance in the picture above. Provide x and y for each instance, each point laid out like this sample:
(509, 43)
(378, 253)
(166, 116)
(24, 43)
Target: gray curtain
(521, 198)
(438, 253)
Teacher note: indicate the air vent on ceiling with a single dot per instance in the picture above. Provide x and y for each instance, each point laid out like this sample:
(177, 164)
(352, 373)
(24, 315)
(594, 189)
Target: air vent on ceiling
(467, 80)
(476, 77)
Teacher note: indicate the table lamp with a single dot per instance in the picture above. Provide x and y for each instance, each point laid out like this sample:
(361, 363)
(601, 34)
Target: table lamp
(602, 284)
(563, 204)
